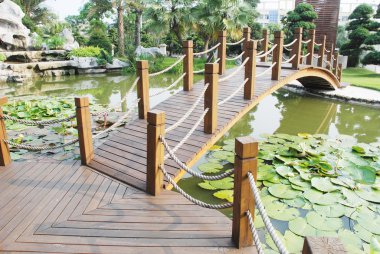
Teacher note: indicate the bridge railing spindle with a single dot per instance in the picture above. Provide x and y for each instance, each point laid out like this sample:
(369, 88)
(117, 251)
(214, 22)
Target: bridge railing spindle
(211, 98)
(188, 65)
(321, 53)
(143, 88)
(277, 54)
(155, 152)
(250, 70)
(336, 62)
(83, 116)
(297, 47)
(310, 47)
(265, 45)
(222, 51)
(340, 71)
(247, 37)
(246, 149)
(5, 156)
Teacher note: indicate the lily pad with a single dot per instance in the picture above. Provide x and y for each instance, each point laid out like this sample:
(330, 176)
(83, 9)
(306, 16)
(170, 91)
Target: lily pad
(223, 184)
(362, 174)
(300, 227)
(333, 211)
(300, 182)
(349, 239)
(222, 155)
(210, 167)
(321, 222)
(280, 211)
(283, 191)
(317, 197)
(206, 185)
(225, 194)
(363, 233)
(285, 171)
(298, 202)
(323, 184)
(369, 194)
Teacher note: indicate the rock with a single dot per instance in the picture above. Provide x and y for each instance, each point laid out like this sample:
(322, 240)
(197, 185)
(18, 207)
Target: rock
(43, 66)
(154, 52)
(85, 62)
(91, 71)
(13, 34)
(69, 39)
(116, 65)
(59, 73)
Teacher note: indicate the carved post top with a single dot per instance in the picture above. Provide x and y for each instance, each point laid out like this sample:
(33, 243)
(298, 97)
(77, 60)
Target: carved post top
(312, 32)
(81, 102)
(3, 100)
(298, 30)
(265, 32)
(246, 147)
(246, 30)
(211, 68)
(252, 45)
(279, 34)
(222, 34)
(156, 117)
(188, 44)
(142, 64)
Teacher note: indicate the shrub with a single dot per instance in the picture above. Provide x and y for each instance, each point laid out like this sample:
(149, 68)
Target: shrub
(102, 56)
(372, 58)
(2, 57)
(55, 42)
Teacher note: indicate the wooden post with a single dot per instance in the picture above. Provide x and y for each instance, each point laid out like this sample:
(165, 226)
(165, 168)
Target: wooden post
(310, 47)
(322, 52)
(5, 155)
(143, 88)
(84, 129)
(336, 61)
(211, 98)
(222, 51)
(318, 245)
(277, 54)
(265, 44)
(340, 72)
(188, 65)
(247, 37)
(246, 149)
(250, 70)
(297, 48)
(155, 152)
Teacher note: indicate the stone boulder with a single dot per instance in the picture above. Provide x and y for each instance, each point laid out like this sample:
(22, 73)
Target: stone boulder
(153, 52)
(69, 39)
(116, 65)
(13, 34)
(85, 62)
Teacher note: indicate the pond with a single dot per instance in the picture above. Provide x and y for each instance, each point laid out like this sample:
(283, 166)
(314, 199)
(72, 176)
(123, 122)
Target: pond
(284, 113)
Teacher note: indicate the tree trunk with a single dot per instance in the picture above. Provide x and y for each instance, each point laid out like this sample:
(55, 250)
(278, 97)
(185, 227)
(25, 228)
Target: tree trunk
(138, 26)
(120, 16)
(177, 31)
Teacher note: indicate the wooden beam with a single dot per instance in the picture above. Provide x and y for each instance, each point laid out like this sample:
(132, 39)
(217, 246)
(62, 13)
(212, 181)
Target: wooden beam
(340, 72)
(247, 37)
(222, 51)
(84, 129)
(250, 70)
(188, 65)
(322, 52)
(297, 48)
(336, 62)
(310, 47)
(143, 88)
(319, 245)
(155, 152)
(211, 98)
(246, 149)
(329, 58)
(265, 44)
(5, 155)
(277, 54)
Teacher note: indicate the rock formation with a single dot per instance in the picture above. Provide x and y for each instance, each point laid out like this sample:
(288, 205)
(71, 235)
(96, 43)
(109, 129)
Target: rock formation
(69, 39)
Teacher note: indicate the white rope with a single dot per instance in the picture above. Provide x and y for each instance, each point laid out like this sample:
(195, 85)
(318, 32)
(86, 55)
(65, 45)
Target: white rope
(318, 44)
(327, 51)
(189, 170)
(235, 43)
(327, 62)
(217, 61)
(37, 123)
(268, 52)
(271, 43)
(236, 71)
(290, 59)
(259, 53)
(198, 72)
(290, 44)
(254, 233)
(170, 87)
(188, 113)
(234, 93)
(316, 56)
(267, 222)
(190, 198)
(266, 71)
(207, 51)
(288, 49)
(236, 58)
(39, 148)
(167, 69)
(333, 57)
(306, 42)
(260, 40)
(303, 56)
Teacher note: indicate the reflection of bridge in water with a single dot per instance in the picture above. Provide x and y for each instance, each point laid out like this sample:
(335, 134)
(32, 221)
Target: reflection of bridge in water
(107, 206)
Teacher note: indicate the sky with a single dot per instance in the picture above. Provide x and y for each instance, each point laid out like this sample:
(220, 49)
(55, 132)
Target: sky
(65, 8)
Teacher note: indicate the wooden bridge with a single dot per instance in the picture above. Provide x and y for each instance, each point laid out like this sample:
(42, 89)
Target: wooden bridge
(118, 199)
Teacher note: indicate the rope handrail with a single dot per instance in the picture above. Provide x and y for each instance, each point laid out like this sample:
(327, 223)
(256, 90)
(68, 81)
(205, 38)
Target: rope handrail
(235, 72)
(234, 93)
(317, 44)
(235, 58)
(255, 235)
(217, 61)
(290, 59)
(333, 57)
(316, 56)
(39, 148)
(271, 43)
(189, 170)
(207, 51)
(288, 49)
(327, 51)
(235, 43)
(37, 123)
(170, 87)
(259, 40)
(198, 72)
(306, 42)
(190, 198)
(259, 53)
(266, 71)
(290, 44)
(168, 68)
(188, 113)
(267, 222)
(268, 52)
(303, 56)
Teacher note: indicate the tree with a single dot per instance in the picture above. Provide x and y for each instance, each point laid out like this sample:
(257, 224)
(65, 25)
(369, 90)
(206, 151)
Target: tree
(302, 16)
(341, 37)
(98, 36)
(377, 15)
(373, 39)
(359, 30)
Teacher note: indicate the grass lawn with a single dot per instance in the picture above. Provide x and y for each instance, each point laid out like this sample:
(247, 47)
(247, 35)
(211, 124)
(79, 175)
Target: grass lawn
(362, 77)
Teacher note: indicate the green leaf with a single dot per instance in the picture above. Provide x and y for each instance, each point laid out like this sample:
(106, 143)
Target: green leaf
(210, 168)
(363, 233)
(280, 211)
(351, 199)
(223, 184)
(283, 191)
(206, 185)
(300, 182)
(304, 135)
(374, 246)
(298, 202)
(222, 155)
(358, 149)
(225, 194)
(293, 242)
(321, 222)
(323, 184)
(350, 240)
(317, 197)
(362, 174)
(369, 194)
(285, 171)
(334, 211)
(300, 227)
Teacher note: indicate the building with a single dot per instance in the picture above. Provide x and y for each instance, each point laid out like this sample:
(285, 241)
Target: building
(348, 6)
(272, 11)
(327, 22)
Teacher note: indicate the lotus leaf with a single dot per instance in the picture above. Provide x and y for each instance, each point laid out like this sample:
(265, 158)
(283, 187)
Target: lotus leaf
(304, 135)
(300, 227)
(210, 167)
(296, 187)
(323, 184)
(225, 194)
(258, 222)
(369, 223)
(321, 222)
(317, 197)
(229, 142)
(223, 184)
(293, 242)
(298, 202)
(363, 233)
(206, 185)
(270, 242)
(375, 246)
(283, 191)
(230, 148)
(358, 149)
(285, 171)
(369, 194)
(344, 181)
(279, 211)
(215, 148)
(362, 174)
(300, 182)
(333, 211)
(349, 239)
(267, 183)
(222, 155)
(266, 173)
(352, 199)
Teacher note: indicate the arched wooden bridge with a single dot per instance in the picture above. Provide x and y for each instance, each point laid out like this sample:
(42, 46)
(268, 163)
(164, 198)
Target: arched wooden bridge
(110, 204)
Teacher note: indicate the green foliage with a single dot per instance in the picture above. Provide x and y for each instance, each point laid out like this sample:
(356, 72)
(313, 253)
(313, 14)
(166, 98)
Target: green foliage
(98, 36)
(341, 36)
(38, 41)
(55, 42)
(302, 16)
(372, 58)
(86, 52)
(2, 57)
